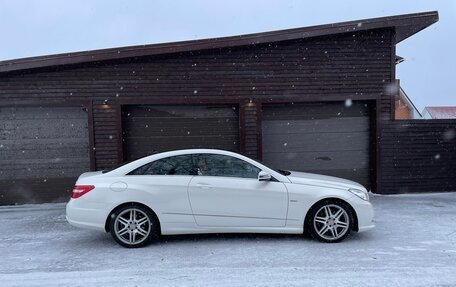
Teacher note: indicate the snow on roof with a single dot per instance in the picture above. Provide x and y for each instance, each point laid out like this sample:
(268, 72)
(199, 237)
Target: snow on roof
(403, 25)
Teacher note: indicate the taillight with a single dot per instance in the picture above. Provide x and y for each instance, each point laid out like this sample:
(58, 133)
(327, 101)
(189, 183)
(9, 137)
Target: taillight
(80, 190)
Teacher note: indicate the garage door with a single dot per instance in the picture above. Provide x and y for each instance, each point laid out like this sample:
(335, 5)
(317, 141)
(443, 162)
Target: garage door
(325, 138)
(156, 128)
(42, 151)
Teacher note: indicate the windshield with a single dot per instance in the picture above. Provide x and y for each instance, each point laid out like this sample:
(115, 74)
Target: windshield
(281, 171)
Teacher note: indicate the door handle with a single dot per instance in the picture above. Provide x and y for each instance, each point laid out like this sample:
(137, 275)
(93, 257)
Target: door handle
(204, 185)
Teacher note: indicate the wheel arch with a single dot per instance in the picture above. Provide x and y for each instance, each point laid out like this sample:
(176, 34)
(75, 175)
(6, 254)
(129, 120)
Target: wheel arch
(335, 200)
(131, 203)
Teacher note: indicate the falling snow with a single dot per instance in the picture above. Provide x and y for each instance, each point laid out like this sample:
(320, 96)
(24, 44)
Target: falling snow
(390, 89)
(449, 134)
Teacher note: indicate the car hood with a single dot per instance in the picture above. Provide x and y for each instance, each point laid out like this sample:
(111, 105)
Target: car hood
(323, 180)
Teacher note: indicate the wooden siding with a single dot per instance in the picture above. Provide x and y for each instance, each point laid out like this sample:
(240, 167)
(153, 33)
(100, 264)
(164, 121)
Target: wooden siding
(418, 156)
(351, 65)
(105, 129)
(251, 131)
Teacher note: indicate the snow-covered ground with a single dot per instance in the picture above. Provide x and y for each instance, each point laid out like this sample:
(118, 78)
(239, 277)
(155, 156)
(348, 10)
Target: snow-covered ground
(414, 244)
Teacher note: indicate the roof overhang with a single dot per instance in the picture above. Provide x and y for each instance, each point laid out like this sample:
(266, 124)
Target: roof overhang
(404, 25)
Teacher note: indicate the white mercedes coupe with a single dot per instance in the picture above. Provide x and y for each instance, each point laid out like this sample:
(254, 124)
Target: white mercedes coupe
(215, 191)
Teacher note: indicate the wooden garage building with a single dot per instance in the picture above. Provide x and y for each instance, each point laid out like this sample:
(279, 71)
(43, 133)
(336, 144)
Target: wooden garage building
(311, 99)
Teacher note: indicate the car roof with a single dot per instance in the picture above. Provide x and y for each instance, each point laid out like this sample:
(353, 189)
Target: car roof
(146, 159)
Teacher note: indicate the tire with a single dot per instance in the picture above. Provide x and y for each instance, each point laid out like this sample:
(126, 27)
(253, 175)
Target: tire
(330, 221)
(133, 226)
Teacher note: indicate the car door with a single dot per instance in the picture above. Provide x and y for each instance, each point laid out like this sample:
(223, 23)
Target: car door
(163, 183)
(226, 192)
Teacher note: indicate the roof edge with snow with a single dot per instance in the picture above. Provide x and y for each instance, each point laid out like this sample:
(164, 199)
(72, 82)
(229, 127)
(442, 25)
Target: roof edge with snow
(404, 25)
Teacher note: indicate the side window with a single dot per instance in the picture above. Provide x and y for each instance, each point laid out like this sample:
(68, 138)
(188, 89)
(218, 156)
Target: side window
(222, 165)
(175, 165)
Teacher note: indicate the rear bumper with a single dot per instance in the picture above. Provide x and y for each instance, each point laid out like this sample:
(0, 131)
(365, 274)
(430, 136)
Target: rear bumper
(85, 214)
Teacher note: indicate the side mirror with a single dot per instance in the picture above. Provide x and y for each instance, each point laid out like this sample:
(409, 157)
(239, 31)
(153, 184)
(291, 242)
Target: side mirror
(264, 176)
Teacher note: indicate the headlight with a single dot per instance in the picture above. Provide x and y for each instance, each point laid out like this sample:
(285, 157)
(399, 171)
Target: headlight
(360, 193)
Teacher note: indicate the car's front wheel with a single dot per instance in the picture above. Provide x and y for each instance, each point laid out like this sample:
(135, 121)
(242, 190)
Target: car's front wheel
(330, 221)
(133, 226)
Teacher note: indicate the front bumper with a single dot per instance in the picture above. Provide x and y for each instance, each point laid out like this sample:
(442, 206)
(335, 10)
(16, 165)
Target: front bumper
(365, 213)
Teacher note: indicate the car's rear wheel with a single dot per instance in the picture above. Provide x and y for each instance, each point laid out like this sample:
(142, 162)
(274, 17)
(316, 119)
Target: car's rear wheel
(330, 221)
(133, 226)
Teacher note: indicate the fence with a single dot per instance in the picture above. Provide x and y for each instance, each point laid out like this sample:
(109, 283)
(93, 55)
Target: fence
(417, 156)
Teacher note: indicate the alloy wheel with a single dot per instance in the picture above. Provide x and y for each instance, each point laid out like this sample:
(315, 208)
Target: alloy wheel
(132, 226)
(331, 222)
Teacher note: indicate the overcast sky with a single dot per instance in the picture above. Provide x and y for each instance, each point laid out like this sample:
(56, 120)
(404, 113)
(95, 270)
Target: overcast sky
(40, 27)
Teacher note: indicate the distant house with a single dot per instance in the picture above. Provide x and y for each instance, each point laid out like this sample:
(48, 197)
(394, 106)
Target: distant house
(439, 113)
(404, 108)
